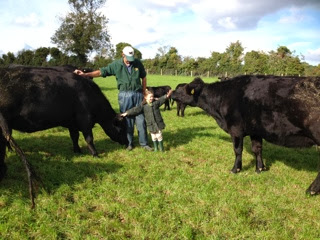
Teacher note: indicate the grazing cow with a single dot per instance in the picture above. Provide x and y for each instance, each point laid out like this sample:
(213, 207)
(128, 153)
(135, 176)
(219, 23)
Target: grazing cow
(34, 99)
(159, 92)
(282, 110)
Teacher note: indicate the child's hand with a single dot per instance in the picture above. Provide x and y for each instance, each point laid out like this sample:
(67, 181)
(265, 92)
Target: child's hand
(169, 93)
(123, 114)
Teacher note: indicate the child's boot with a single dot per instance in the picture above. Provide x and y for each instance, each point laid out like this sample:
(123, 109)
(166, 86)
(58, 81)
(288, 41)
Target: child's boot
(155, 144)
(161, 146)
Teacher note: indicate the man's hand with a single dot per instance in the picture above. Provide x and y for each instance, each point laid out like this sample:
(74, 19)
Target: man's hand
(78, 72)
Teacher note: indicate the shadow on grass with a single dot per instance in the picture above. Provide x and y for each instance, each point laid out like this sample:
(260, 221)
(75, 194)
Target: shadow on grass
(297, 158)
(186, 135)
(51, 159)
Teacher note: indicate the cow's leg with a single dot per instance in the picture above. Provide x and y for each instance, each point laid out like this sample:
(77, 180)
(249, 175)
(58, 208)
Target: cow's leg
(314, 188)
(167, 102)
(74, 134)
(165, 105)
(256, 146)
(182, 108)
(88, 136)
(178, 108)
(7, 138)
(237, 147)
(3, 167)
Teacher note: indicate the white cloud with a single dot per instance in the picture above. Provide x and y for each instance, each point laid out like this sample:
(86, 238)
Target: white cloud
(313, 56)
(31, 20)
(294, 17)
(195, 28)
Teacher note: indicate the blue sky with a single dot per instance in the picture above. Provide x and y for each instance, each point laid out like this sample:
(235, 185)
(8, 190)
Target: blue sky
(195, 28)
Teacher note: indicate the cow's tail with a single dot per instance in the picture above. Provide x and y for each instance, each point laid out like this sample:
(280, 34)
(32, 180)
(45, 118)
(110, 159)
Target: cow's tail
(8, 137)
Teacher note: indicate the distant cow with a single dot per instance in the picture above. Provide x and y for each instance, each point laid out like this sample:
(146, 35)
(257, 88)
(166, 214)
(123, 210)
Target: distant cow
(224, 78)
(282, 110)
(159, 92)
(34, 99)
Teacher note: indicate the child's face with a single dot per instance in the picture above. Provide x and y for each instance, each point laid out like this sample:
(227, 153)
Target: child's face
(149, 98)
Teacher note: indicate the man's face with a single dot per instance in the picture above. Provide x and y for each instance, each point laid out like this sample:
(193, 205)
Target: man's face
(125, 60)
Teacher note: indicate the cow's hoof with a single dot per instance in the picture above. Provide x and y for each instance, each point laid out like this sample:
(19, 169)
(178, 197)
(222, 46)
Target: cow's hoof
(77, 151)
(235, 170)
(259, 170)
(311, 192)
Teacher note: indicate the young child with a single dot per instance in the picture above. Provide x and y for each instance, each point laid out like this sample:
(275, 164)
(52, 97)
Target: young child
(151, 109)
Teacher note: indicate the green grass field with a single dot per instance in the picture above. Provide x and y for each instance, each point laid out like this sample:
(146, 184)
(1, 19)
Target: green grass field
(186, 192)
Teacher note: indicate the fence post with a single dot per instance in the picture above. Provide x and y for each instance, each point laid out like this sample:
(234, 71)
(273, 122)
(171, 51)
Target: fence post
(176, 73)
(161, 72)
(191, 73)
(208, 73)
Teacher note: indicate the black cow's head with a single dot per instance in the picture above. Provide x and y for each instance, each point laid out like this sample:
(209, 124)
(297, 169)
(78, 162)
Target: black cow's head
(120, 125)
(189, 93)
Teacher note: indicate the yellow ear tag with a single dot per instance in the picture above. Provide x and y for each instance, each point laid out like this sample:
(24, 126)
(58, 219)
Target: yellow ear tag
(192, 91)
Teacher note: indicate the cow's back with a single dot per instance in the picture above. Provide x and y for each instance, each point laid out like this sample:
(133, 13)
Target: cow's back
(29, 92)
(282, 110)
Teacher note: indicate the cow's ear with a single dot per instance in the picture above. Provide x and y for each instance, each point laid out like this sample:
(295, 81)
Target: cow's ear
(189, 90)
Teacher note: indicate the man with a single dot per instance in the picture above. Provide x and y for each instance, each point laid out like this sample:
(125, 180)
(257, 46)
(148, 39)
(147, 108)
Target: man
(128, 71)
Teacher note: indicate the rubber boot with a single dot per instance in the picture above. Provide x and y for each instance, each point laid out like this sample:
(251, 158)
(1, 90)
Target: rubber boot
(155, 144)
(161, 146)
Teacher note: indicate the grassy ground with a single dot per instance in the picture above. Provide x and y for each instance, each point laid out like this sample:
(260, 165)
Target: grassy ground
(186, 192)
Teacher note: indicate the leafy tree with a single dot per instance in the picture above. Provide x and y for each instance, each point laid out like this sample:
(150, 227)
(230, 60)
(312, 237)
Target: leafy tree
(255, 63)
(152, 65)
(25, 57)
(189, 64)
(231, 59)
(40, 56)
(278, 60)
(83, 30)
(283, 52)
(8, 58)
(283, 62)
(57, 57)
(100, 61)
(294, 67)
(316, 71)
(214, 62)
(173, 59)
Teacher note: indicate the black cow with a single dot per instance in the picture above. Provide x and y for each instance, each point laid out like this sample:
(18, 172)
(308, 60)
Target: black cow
(180, 105)
(34, 99)
(224, 78)
(282, 110)
(159, 92)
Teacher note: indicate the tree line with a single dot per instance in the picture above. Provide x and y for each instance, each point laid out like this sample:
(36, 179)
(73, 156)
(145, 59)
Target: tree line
(84, 32)
(233, 61)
